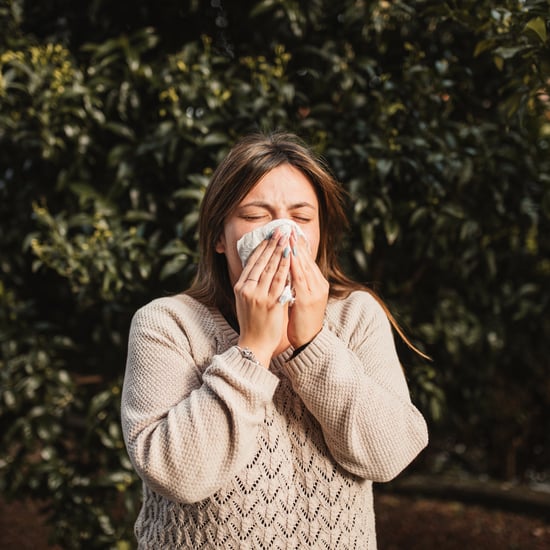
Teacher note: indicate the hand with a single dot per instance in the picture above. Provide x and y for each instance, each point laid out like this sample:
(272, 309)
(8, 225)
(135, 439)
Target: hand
(311, 290)
(261, 317)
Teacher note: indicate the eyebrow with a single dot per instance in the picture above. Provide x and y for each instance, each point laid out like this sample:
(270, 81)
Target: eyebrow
(267, 205)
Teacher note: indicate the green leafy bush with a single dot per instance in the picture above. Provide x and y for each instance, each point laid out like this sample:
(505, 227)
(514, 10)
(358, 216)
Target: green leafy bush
(435, 117)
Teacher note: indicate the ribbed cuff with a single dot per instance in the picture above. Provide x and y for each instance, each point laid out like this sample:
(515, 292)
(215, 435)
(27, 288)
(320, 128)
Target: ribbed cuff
(323, 343)
(248, 375)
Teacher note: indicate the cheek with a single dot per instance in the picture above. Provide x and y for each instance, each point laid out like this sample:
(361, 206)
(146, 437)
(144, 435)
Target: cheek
(233, 262)
(313, 239)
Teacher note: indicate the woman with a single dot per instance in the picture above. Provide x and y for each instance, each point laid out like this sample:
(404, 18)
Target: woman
(258, 424)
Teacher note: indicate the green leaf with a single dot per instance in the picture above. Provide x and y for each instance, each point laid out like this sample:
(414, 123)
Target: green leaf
(121, 130)
(174, 247)
(537, 25)
(215, 138)
(195, 194)
(509, 52)
(173, 266)
(483, 45)
(367, 236)
(391, 229)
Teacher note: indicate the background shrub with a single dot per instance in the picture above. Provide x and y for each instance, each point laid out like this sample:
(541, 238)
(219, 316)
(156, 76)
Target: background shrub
(434, 115)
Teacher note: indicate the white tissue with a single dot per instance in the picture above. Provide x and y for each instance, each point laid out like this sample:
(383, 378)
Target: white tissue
(249, 241)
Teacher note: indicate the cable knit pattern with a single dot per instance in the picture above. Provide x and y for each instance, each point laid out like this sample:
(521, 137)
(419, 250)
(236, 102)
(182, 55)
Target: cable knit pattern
(235, 456)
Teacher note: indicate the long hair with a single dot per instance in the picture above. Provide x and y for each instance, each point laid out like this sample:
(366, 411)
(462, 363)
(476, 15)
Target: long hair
(246, 163)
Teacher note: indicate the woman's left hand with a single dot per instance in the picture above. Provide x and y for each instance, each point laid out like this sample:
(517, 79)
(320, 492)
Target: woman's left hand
(311, 290)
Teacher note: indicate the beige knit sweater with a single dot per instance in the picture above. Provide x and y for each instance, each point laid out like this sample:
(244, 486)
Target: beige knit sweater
(236, 456)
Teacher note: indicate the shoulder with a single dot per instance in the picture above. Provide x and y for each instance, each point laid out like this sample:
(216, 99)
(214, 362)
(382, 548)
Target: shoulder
(357, 302)
(172, 313)
(358, 310)
(176, 323)
(169, 306)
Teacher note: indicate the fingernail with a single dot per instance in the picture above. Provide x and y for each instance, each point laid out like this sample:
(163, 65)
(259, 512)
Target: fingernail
(294, 251)
(286, 252)
(269, 235)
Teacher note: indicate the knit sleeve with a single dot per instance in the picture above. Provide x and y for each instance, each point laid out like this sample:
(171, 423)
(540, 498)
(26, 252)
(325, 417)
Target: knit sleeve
(354, 385)
(188, 431)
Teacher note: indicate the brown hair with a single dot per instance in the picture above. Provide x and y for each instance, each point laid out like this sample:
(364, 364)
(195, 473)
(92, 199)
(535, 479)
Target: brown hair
(246, 163)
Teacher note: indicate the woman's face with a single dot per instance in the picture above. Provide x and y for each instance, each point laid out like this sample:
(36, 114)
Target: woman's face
(283, 192)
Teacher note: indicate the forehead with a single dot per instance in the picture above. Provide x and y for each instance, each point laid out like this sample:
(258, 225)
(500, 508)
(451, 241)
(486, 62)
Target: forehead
(284, 184)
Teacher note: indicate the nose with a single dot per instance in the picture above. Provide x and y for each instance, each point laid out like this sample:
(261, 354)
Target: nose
(281, 213)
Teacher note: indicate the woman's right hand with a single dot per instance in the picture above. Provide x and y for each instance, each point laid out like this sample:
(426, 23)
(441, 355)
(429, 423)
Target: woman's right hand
(262, 319)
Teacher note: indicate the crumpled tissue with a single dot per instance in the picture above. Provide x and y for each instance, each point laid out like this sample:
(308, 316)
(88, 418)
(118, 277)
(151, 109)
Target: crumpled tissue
(249, 241)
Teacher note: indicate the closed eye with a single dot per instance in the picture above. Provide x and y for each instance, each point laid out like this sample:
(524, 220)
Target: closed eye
(253, 218)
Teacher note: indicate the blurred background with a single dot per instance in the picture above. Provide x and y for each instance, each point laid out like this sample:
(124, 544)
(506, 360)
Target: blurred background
(435, 116)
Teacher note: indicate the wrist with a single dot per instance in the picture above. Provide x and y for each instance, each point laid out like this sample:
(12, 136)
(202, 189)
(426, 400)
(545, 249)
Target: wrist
(300, 349)
(250, 355)
(299, 343)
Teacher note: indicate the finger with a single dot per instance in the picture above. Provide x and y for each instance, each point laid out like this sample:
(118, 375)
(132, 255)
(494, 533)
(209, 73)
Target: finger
(299, 268)
(251, 261)
(280, 276)
(259, 258)
(268, 264)
(277, 260)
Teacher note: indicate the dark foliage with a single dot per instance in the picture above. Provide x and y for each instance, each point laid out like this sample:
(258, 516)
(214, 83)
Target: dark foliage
(434, 115)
